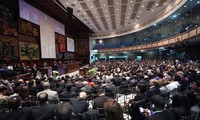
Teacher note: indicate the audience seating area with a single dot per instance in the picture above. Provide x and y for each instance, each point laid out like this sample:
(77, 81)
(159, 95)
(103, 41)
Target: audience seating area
(177, 85)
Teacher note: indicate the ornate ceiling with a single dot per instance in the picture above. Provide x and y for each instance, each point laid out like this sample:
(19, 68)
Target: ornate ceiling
(110, 18)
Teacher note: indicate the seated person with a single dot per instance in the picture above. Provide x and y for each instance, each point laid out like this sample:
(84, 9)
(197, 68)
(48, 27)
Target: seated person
(113, 110)
(63, 111)
(79, 104)
(110, 87)
(158, 111)
(18, 113)
(99, 101)
(52, 95)
(45, 111)
(86, 88)
(180, 106)
(68, 93)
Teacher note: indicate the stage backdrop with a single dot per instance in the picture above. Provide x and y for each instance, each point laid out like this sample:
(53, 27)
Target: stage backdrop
(28, 51)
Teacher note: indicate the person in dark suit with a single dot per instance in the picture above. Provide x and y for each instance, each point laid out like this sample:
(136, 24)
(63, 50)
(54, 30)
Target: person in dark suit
(45, 111)
(158, 112)
(110, 87)
(154, 88)
(17, 113)
(79, 104)
(68, 93)
(99, 101)
(180, 106)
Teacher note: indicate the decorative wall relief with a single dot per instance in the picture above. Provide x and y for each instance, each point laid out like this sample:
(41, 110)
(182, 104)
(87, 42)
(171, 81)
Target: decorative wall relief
(28, 51)
(8, 48)
(29, 28)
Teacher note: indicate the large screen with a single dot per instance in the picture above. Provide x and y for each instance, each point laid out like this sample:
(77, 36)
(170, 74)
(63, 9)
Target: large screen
(48, 27)
(70, 45)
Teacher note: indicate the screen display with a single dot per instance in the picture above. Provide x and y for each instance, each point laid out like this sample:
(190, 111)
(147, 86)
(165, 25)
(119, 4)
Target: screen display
(48, 27)
(70, 45)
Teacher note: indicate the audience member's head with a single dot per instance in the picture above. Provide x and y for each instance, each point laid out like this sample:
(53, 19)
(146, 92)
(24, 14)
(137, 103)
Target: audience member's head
(179, 100)
(100, 91)
(141, 87)
(63, 111)
(43, 98)
(196, 85)
(14, 102)
(46, 85)
(68, 87)
(24, 91)
(3, 89)
(157, 102)
(113, 110)
(83, 95)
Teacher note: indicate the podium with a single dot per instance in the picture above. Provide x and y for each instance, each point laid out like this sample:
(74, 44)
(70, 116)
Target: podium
(46, 70)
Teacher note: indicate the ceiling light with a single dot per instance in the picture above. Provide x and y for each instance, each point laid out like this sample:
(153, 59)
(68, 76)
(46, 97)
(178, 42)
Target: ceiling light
(74, 1)
(117, 14)
(117, 3)
(129, 7)
(91, 6)
(131, 1)
(104, 5)
(143, 6)
(152, 10)
(128, 13)
(198, 2)
(67, 3)
(117, 9)
(157, 4)
(140, 11)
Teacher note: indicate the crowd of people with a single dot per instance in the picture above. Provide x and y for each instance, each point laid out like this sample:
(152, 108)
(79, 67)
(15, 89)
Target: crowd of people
(83, 97)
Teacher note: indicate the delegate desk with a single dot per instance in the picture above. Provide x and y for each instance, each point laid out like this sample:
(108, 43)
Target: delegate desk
(71, 67)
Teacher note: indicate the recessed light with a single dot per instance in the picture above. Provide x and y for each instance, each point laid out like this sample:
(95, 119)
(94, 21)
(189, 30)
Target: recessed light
(131, 1)
(129, 7)
(152, 10)
(117, 9)
(91, 6)
(128, 13)
(143, 6)
(104, 5)
(117, 3)
(157, 4)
